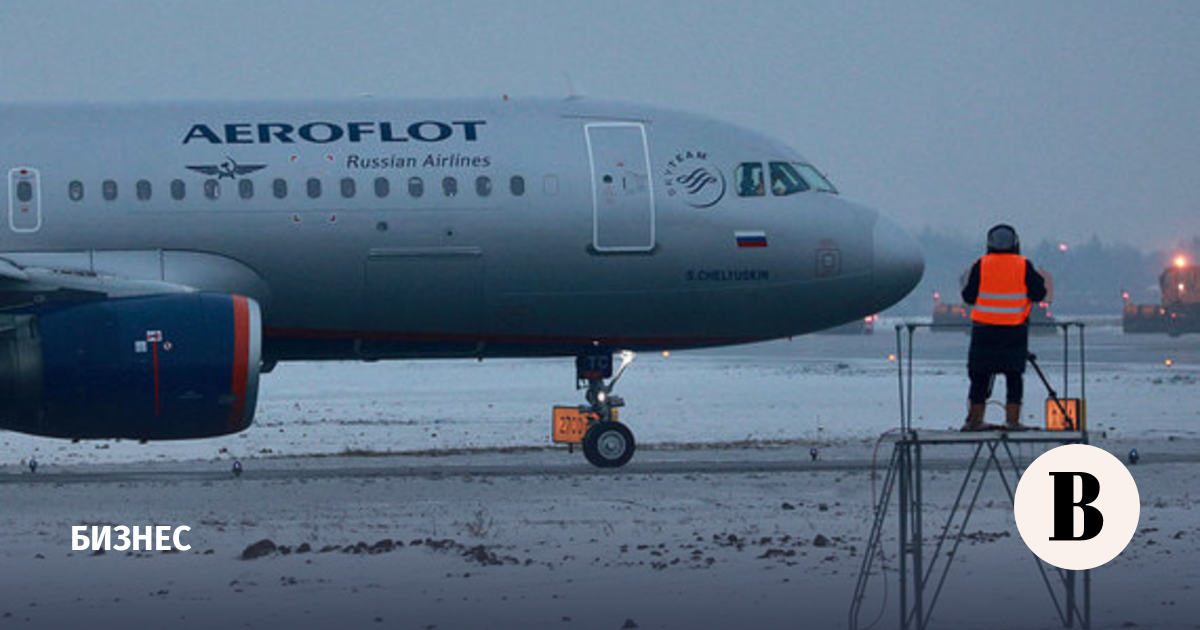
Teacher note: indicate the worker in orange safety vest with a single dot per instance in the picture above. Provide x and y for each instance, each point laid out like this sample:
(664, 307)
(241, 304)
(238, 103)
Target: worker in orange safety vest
(1002, 286)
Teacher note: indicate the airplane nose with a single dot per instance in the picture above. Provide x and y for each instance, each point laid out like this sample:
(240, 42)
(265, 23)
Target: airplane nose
(899, 263)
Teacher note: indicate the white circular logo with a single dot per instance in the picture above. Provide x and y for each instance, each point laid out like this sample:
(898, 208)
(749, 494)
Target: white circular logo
(1077, 507)
(691, 175)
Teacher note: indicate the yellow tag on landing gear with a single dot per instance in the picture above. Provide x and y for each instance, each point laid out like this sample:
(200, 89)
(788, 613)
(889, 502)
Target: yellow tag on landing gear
(568, 424)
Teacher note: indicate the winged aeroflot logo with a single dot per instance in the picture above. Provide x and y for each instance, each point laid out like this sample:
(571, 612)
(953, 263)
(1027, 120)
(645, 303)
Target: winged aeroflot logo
(228, 168)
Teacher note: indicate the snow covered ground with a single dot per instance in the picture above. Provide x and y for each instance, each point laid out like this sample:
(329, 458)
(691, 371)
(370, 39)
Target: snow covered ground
(818, 388)
(720, 521)
(730, 538)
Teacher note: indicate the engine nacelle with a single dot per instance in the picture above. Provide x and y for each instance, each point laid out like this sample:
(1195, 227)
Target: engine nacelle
(155, 368)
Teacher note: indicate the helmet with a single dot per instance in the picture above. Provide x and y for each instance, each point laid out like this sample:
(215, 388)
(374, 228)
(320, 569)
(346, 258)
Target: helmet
(1003, 238)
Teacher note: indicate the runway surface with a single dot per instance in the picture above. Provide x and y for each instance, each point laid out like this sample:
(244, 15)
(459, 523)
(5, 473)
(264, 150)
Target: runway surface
(733, 537)
(710, 459)
(425, 495)
(818, 389)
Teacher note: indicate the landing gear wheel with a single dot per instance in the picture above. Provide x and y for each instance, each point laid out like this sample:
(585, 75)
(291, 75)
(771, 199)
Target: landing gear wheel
(608, 444)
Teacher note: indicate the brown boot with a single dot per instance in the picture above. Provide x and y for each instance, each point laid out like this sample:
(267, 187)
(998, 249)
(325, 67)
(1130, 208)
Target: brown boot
(974, 420)
(1012, 417)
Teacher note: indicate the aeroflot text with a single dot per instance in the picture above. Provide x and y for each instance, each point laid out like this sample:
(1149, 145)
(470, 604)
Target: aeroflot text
(126, 538)
(325, 132)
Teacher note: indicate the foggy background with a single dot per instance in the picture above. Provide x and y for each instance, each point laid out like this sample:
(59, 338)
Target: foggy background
(1075, 121)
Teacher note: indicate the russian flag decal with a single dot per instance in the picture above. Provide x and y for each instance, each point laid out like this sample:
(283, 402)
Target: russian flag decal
(752, 238)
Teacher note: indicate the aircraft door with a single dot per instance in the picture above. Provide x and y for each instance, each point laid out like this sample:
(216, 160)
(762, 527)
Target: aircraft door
(24, 200)
(622, 194)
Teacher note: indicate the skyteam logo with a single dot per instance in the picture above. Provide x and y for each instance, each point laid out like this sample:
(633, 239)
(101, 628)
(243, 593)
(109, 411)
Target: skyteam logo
(690, 174)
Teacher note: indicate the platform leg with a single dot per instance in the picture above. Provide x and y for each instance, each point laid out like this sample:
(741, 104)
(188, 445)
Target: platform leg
(904, 474)
(874, 541)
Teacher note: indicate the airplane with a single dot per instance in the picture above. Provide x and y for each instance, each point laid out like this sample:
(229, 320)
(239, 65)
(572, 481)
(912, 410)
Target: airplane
(157, 258)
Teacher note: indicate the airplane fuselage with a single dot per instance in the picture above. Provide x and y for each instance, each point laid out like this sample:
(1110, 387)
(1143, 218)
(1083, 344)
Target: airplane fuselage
(389, 229)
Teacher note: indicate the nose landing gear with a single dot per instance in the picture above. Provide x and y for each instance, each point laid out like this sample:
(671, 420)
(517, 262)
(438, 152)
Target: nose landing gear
(607, 443)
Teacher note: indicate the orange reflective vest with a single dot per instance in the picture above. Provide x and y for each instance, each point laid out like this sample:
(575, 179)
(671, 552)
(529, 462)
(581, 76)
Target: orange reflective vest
(1003, 297)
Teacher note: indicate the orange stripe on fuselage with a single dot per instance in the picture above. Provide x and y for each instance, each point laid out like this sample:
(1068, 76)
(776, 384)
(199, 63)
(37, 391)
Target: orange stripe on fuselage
(241, 357)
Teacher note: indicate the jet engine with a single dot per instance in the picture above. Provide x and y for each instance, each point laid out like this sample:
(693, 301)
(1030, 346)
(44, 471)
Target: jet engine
(153, 368)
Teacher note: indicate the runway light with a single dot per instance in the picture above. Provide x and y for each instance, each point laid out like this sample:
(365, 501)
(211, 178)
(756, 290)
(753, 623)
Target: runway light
(892, 357)
(1181, 261)
(666, 354)
(1169, 362)
(1062, 247)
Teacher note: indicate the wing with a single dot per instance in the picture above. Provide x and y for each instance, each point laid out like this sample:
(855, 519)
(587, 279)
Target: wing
(11, 272)
(38, 277)
(246, 169)
(207, 169)
(25, 285)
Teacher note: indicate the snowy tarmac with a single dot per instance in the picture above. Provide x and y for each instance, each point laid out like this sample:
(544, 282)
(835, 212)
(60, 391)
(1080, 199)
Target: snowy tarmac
(426, 495)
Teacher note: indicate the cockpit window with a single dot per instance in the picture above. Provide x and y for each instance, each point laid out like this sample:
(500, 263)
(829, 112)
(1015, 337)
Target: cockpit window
(788, 178)
(814, 178)
(749, 178)
(785, 180)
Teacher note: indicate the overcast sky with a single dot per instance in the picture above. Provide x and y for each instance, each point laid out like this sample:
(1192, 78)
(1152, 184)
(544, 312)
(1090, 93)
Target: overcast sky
(1065, 118)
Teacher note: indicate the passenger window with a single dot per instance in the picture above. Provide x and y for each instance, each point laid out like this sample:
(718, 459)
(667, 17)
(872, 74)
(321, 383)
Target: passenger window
(178, 189)
(483, 186)
(24, 191)
(785, 180)
(246, 188)
(108, 190)
(382, 187)
(449, 186)
(75, 190)
(279, 188)
(416, 186)
(550, 184)
(313, 187)
(348, 187)
(516, 185)
(212, 188)
(749, 177)
(142, 189)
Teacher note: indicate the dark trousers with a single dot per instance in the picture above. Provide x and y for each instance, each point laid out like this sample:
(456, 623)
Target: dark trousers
(982, 381)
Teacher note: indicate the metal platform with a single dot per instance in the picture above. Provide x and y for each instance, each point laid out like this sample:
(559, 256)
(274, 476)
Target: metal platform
(922, 572)
(971, 437)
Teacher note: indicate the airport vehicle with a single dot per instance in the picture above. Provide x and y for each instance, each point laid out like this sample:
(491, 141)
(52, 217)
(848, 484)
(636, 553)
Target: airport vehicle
(1179, 311)
(1041, 320)
(157, 258)
(949, 316)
